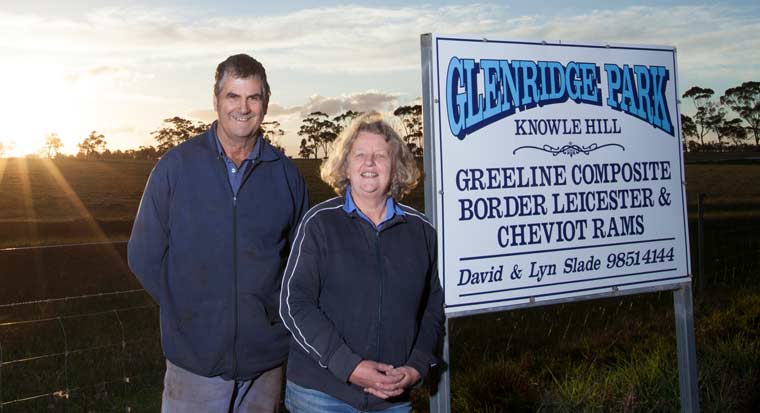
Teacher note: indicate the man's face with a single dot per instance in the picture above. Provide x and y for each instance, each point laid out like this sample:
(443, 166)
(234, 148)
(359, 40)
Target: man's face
(239, 107)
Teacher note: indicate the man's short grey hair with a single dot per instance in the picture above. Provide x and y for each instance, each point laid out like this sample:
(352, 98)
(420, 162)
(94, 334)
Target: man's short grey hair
(242, 66)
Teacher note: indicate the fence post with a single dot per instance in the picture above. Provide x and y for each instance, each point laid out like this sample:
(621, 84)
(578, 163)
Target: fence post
(1, 377)
(124, 376)
(440, 402)
(66, 394)
(687, 349)
(701, 242)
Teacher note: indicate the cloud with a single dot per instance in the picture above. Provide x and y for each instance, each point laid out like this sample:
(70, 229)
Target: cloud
(334, 105)
(205, 115)
(98, 73)
(362, 39)
(290, 118)
(144, 61)
(104, 70)
(119, 130)
(708, 39)
(275, 109)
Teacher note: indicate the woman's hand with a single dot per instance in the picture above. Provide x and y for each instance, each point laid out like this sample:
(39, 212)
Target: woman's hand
(409, 376)
(373, 377)
(401, 378)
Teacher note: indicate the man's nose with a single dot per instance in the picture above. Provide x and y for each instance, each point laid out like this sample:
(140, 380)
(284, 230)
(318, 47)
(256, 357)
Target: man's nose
(245, 106)
(369, 160)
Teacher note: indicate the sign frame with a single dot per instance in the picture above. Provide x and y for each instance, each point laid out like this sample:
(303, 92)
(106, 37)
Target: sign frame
(682, 291)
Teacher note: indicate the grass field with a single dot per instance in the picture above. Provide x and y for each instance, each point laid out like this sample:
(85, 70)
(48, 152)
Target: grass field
(616, 354)
(80, 201)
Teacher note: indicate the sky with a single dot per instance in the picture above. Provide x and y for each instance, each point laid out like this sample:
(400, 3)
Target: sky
(76, 66)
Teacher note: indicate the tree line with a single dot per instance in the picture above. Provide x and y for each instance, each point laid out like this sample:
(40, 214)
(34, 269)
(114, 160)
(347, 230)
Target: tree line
(318, 132)
(713, 116)
(733, 119)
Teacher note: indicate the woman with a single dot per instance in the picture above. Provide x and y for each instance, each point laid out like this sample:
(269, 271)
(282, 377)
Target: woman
(360, 294)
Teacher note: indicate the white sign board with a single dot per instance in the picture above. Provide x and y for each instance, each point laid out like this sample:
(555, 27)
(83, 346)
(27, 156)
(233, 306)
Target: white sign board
(558, 170)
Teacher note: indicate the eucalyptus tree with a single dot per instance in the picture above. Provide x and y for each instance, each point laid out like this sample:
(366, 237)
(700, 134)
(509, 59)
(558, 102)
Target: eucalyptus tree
(706, 117)
(176, 131)
(745, 101)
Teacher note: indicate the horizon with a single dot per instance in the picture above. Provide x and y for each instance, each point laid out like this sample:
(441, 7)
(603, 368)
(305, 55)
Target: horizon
(122, 70)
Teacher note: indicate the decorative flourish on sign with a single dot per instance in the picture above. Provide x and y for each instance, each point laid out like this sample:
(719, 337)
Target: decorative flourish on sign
(570, 149)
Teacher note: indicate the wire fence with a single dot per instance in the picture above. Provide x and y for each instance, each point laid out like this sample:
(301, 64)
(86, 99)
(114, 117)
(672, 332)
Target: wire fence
(730, 252)
(77, 333)
(98, 350)
(94, 361)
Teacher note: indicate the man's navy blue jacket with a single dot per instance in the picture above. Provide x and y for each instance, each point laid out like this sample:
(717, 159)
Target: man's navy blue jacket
(213, 262)
(352, 293)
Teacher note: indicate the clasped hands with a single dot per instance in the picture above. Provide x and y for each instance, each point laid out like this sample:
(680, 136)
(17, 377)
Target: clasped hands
(383, 380)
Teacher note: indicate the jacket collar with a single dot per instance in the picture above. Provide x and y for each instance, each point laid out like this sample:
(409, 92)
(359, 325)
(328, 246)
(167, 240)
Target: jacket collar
(266, 152)
(393, 212)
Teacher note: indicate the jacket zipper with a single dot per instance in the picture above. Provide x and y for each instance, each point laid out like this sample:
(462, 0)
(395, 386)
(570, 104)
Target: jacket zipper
(379, 304)
(234, 285)
(380, 298)
(234, 267)
(248, 173)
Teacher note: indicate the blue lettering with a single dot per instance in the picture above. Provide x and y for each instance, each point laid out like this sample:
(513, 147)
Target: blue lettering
(530, 87)
(644, 109)
(490, 88)
(590, 75)
(628, 97)
(455, 108)
(660, 103)
(474, 112)
(509, 86)
(543, 67)
(573, 84)
(510, 98)
(556, 92)
(613, 84)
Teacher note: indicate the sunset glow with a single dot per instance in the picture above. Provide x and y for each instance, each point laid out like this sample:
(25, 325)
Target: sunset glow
(48, 103)
(121, 70)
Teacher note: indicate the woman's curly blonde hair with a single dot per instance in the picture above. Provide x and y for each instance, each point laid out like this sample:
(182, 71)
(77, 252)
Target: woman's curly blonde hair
(404, 171)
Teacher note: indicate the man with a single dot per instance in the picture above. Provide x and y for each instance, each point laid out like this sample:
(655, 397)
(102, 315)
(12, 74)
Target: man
(209, 244)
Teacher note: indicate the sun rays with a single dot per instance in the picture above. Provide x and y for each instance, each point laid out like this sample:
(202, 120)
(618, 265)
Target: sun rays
(39, 205)
(29, 213)
(3, 164)
(79, 206)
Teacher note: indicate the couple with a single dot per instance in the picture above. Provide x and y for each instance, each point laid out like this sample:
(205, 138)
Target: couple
(246, 278)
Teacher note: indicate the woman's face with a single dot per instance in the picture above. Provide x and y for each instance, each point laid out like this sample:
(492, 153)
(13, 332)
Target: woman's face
(369, 166)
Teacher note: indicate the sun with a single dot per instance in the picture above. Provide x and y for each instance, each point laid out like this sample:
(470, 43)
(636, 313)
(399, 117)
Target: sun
(40, 100)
